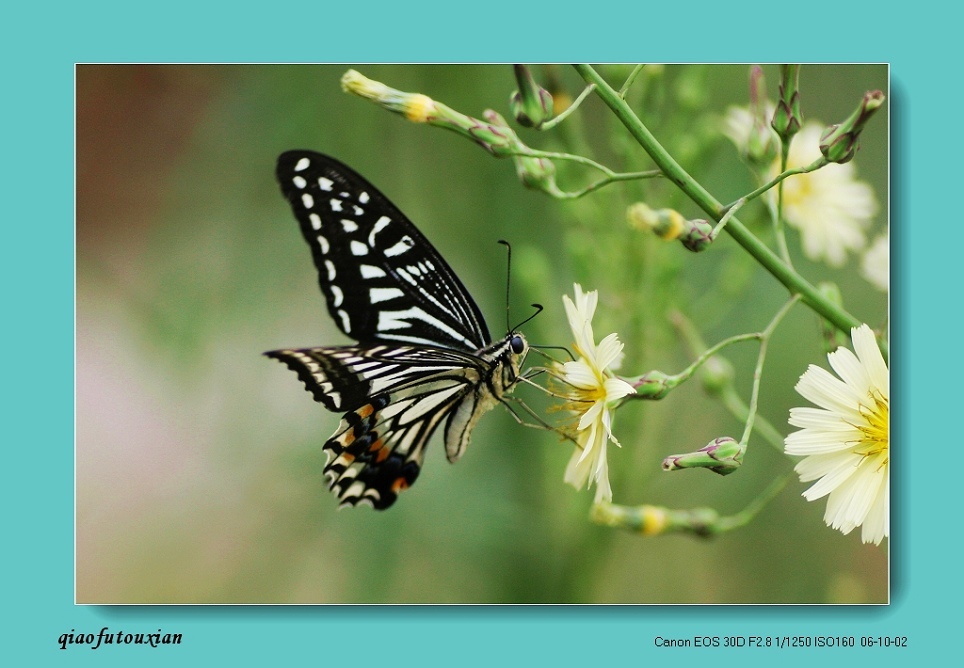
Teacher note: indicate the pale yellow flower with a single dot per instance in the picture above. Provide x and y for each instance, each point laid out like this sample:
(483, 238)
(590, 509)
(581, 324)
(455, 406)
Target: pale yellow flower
(592, 391)
(829, 207)
(846, 441)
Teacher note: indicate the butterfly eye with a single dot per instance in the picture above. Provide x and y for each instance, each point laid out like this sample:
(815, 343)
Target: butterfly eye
(517, 345)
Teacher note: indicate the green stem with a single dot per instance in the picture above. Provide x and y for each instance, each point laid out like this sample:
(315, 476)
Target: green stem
(611, 176)
(765, 336)
(778, 179)
(795, 283)
(743, 517)
(630, 79)
(548, 125)
(702, 522)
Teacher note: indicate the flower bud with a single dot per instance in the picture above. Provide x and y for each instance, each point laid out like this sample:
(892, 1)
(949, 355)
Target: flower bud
(697, 235)
(647, 520)
(716, 375)
(654, 385)
(723, 455)
(657, 520)
(666, 223)
(787, 118)
(531, 104)
(839, 143)
(495, 136)
(415, 107)
(537, 174)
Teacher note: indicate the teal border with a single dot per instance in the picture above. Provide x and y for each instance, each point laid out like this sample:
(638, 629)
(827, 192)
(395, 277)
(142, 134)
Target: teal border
(39, 54)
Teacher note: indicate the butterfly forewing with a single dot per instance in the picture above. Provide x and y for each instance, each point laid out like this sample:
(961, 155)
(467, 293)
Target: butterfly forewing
(381, 278)
(424, 354)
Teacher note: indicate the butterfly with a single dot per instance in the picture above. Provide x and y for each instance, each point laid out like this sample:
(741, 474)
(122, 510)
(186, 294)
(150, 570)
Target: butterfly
(423, 355)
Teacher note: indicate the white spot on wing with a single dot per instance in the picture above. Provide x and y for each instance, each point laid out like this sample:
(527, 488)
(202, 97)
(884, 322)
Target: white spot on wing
(371, 271)
(315, 220)
(299, 181)
(325, 184)
(349, 225)
(358, 248)
(384, 294)
(335, 204)
(302, 165)
(400, 247)
(389, 320)
(345, 322)
(323, 244)
(331, 269)
(380, 225)
(337, 296)
(363, 197)
(307, 200)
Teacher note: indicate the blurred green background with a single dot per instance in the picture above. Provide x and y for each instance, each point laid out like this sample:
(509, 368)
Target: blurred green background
(199, 462)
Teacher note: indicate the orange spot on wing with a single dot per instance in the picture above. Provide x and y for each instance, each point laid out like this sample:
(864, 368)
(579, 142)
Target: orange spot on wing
(400, 485)
(365, 411)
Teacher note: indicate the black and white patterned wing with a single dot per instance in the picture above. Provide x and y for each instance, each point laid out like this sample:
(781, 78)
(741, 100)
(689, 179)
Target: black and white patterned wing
(395, 398)
(382, 279)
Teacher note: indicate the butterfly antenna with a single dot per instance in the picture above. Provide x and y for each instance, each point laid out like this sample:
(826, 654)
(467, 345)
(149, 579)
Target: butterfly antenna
(508, 277)
(538, 308)
(541, 350)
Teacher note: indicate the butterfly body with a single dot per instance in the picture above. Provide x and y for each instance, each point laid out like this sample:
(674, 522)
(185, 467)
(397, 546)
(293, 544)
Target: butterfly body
(423, 355)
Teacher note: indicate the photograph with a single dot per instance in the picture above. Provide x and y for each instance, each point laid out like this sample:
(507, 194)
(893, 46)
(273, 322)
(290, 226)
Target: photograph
(482, 334)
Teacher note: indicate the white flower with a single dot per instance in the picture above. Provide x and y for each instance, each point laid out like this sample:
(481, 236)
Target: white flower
(846, 441)
(591, 390)
(829, 206)
(876, 262)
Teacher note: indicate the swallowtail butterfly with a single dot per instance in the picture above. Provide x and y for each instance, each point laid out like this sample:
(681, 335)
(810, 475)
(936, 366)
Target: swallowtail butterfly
(423, 355)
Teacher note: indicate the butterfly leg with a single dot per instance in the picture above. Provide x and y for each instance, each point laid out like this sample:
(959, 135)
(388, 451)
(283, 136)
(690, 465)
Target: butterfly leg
(542, 424)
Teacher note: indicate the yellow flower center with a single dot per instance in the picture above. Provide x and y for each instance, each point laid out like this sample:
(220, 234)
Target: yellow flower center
(876, 429)
(797, 190)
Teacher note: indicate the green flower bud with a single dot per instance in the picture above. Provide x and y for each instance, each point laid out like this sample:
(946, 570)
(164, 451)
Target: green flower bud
(531, 104)
(716, 375)
(787, 118)
(723, 455)
(839, 143)
(654, 385)
(537, 174)
(697, 235)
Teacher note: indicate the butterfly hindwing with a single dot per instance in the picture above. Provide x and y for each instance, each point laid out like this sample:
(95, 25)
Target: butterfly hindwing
(382, 279)
(395, 396)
